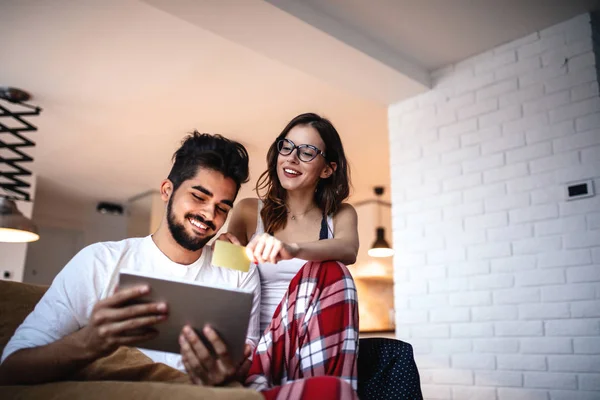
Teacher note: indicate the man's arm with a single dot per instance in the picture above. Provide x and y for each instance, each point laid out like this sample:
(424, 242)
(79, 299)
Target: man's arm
(251, 282)
(211, 369)
(242, 222)
(63, 310)
(342, 248)
(47, 363)
(111, 325)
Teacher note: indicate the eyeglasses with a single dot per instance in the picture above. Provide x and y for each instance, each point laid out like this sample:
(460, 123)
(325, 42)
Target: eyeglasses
(305, 152)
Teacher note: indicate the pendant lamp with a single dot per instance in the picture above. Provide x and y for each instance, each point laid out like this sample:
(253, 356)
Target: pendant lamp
(14, 226)
(380, 247)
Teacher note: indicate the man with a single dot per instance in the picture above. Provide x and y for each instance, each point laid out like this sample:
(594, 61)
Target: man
(81, 318)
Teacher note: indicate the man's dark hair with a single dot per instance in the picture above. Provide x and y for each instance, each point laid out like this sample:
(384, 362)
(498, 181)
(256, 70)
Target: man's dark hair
(203, 150)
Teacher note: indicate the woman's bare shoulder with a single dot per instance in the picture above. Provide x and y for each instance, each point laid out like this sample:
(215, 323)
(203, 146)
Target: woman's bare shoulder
(248, 207)
(248, 202)
(346, 210)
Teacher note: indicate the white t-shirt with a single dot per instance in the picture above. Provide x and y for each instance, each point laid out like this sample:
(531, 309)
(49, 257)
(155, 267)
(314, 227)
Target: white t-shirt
(92, 276)
(275, 278)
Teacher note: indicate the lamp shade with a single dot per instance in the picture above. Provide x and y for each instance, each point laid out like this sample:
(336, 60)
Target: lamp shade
(380, 247)
(14, 226)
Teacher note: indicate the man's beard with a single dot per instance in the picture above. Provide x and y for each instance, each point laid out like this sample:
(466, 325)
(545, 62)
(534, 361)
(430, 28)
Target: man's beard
(179, 233)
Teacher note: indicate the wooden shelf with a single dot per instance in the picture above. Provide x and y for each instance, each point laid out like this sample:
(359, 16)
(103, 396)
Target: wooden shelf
(375, 278)
(378, 333)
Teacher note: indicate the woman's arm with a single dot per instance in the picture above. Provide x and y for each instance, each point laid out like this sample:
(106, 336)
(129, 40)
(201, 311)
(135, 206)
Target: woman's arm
(243, 220)
(343, 248)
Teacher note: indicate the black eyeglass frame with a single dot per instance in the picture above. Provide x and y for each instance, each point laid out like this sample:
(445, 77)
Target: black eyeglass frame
(298, 148)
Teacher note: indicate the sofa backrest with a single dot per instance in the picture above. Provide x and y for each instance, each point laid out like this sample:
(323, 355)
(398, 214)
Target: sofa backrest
(17, 300)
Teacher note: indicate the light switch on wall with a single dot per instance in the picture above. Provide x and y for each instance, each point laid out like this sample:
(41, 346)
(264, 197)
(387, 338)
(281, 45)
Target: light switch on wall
(580, 190)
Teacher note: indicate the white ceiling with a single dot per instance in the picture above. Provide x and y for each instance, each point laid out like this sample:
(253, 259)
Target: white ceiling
(292, 37)
(121, 82)
(434, 33)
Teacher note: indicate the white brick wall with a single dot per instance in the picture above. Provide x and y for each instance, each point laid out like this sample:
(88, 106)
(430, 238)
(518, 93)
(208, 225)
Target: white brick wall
(508, 346)
(549, 380)
(473, 392)
(522, 394)
(544, 311)
(500, 289)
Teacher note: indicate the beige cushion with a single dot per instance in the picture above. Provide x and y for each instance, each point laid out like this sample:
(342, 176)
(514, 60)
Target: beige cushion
(17, 300)
(123, 390)
(99, 379)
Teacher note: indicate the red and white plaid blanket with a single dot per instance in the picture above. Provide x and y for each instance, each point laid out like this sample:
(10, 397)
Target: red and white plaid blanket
(318, 387)
(314, 333)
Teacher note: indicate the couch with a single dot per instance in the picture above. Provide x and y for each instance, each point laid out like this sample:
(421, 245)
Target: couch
(386, 367)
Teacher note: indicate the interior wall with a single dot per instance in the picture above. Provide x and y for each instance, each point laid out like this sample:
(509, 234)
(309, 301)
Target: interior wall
(373, 276)
(13, 255)
(498, 274)
(70, 224)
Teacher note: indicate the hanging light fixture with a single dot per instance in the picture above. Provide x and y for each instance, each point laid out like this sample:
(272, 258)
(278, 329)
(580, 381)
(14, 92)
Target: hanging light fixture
(380, 247)
(14, 226)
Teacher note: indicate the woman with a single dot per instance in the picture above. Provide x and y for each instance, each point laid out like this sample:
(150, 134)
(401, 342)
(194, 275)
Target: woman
(309, 313)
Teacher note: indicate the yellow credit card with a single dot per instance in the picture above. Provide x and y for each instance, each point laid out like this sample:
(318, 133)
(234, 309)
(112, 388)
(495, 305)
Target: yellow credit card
(228, 255)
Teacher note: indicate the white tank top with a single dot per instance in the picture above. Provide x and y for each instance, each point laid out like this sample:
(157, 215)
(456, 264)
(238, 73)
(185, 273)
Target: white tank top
(275, 278)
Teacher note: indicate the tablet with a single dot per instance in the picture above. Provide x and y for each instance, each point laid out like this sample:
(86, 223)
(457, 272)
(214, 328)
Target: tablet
(227, 310)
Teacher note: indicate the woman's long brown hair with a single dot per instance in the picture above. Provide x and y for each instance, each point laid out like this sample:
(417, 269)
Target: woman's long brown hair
(330, 192)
